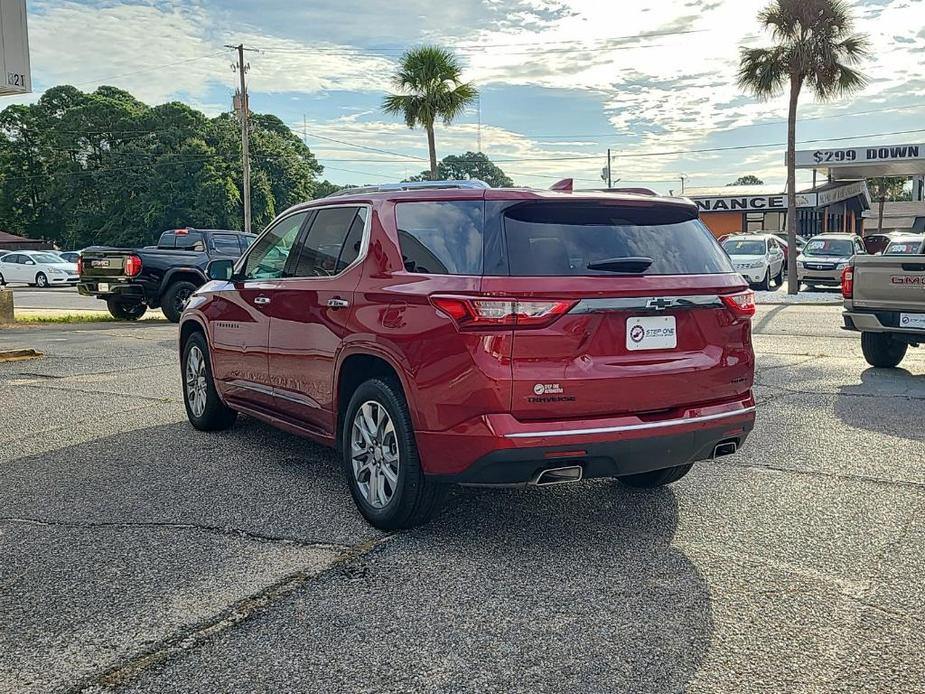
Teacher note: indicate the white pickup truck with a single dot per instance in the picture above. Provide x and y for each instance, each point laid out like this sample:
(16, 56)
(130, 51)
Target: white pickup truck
(885, 300)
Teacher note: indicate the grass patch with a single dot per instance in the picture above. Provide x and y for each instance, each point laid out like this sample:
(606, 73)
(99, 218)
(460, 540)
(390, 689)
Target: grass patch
(65, 318)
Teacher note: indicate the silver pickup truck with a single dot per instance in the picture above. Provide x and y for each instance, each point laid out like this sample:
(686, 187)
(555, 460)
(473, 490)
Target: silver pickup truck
(885, 300)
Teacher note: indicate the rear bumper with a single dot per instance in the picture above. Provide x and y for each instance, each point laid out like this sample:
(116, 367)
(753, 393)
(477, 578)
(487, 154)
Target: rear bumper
(129, 292)
(498, 449)
(873, 321)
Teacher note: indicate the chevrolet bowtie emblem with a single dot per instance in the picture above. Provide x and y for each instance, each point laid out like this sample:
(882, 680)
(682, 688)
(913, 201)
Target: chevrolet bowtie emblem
(659, 304)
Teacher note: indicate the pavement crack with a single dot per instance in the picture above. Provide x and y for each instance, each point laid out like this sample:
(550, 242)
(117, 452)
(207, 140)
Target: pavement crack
(199, 633)
(226, 531)
(65, 389)
(843, 477)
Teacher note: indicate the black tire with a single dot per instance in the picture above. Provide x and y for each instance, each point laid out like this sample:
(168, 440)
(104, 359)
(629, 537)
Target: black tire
(414, 498)
(213, 415)
(175, 299)
(882, 350)
(2, 281)
(125, 310)
(41, 280)
(779, 280)
(765, 284)
(656, 478)
(810, 287)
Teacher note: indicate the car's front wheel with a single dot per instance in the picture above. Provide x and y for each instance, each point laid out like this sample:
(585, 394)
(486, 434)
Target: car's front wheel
(779, 280)
(766, 282)
(381, 461)
(204, 408)
(656, 478)
(41, 280)
(882, 350)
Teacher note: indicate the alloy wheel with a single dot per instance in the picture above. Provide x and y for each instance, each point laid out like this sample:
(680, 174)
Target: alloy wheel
(181, 300)
(196, 389)
(374, 454)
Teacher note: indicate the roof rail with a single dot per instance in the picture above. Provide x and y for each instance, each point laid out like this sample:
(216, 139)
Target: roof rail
(473, 183)
(637, 191)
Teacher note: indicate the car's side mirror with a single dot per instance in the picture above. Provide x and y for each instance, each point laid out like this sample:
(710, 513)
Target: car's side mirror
(221, 269)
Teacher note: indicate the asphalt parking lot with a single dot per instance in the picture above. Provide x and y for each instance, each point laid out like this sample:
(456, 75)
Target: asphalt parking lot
(141, 556)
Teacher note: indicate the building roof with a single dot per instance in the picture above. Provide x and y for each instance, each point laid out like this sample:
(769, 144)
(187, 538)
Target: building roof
(897, 209)
(6, 237)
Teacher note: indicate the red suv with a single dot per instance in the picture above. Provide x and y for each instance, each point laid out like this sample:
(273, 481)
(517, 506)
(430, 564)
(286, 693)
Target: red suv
(453, 333)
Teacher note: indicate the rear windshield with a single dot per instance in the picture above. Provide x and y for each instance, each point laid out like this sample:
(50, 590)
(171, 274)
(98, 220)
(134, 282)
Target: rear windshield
(546, 239)
(750, 247)
(833, 248)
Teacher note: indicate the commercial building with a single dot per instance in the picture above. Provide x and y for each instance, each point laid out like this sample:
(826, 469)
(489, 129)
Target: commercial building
(834, 206)
(11, 242)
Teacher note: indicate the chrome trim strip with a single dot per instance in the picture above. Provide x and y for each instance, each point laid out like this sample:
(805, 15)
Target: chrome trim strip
(632, 427)
(642, 303)
(275, 393)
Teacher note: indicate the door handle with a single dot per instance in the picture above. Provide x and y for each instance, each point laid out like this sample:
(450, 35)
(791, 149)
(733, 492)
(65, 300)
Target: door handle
(338, 303)
(261, 300)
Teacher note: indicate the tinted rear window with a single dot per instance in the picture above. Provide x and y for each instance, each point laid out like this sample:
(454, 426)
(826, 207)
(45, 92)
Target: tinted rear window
(563, 239)
(441, 238)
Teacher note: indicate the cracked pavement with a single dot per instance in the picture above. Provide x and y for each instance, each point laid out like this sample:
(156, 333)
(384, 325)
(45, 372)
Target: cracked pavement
(137, 555)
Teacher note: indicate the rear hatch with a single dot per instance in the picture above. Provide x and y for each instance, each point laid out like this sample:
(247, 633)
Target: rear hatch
(647, 325)
(890, 282)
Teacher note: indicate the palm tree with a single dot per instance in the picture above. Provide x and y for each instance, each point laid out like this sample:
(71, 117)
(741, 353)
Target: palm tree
(429, 79)
(815, 47)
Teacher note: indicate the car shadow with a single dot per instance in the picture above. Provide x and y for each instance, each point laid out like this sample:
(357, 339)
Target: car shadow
(887, 401)
(582, 579)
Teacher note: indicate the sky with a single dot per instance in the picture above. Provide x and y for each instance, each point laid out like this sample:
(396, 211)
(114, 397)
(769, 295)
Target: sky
(560, 81)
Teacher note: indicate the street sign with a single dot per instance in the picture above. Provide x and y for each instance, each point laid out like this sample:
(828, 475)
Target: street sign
(15, 74)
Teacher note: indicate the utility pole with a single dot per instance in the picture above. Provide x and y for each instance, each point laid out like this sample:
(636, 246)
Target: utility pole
(244, 113)
(609, 171)
(683, 178)
(304, 130)
(478, 102)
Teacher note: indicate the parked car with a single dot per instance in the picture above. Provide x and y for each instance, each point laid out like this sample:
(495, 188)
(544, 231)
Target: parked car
(759, 258)
(877, 243)
(885, 301)
(37, 268)
(453, 333)
(908, 244)
(782, 237)
(132, 280)
(69, 256)
(825, 257)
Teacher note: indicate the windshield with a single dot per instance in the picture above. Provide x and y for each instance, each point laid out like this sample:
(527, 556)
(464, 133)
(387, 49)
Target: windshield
(907, 247)
(744, 247)
(48, 259)
(829, 248)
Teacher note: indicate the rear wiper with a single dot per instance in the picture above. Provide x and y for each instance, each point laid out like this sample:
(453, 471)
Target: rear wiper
(631, 265)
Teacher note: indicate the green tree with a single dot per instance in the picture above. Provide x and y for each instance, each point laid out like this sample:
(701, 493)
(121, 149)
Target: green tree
(325, 188)
(429, 80)
(467, 166)
(104, 168)
(815, 46)
(748, 180)
(883, 188)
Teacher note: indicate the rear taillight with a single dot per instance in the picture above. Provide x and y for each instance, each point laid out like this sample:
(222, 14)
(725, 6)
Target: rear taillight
(80, 265)
(471, 312)
(847, 282)
(132, 265)
(741, 304)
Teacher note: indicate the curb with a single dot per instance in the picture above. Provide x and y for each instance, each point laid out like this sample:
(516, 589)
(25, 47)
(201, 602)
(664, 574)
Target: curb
(18, 354)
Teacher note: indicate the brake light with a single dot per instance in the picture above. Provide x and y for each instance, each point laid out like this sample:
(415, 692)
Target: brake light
(741, 304)
(847, 282)
(470, 312)
(132, 265)
(80, 265)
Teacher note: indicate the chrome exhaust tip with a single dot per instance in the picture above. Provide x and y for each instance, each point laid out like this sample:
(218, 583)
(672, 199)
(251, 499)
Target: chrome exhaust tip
(725, 448)
(558, 475)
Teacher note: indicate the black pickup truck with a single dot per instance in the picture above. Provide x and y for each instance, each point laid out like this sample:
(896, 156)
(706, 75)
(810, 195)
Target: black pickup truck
(131, 280)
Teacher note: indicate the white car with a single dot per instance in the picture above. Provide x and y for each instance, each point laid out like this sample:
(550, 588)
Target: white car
(759, 258)
(39, 268)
